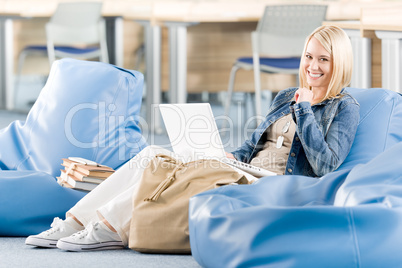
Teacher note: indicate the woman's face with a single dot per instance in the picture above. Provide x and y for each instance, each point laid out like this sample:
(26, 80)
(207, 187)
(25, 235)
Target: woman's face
(317, 65)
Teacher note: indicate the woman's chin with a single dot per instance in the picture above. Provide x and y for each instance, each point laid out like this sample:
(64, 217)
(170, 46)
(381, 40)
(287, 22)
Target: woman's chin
(313, 83)
(310, 84)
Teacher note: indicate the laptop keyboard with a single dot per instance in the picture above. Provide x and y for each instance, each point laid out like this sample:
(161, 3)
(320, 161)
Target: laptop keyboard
(253, 170)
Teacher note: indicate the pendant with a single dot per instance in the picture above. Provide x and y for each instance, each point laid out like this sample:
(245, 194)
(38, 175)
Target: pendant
(279, 142)
(286, 127)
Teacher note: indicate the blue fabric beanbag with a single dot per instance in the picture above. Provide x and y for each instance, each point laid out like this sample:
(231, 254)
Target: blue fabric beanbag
(348, 218)
(380, 125)
(86, 109)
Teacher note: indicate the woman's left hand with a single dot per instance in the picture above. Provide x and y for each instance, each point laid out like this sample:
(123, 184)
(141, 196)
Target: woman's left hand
(304, 94)
(229, 155)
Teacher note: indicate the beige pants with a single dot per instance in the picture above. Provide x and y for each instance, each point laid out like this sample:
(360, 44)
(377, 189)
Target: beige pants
(112, 199)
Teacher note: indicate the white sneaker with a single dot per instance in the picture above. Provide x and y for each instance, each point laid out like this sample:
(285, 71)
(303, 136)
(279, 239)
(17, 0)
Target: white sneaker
(96, 236)
(48, 239)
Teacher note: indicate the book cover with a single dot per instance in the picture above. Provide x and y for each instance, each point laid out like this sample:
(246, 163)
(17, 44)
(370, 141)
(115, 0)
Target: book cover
(96, 171)
(82, 177)
(71, 183)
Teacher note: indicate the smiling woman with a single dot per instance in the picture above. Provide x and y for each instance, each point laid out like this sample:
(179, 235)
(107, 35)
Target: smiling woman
(323, 114)
(327, 63)
(317, 66)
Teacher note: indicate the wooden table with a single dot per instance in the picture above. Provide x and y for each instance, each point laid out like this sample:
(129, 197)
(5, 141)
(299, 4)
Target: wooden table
(194, 13)
(177, 17)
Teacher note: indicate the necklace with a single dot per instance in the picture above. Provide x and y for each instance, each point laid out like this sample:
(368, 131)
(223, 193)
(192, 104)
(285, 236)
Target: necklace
(285, 129)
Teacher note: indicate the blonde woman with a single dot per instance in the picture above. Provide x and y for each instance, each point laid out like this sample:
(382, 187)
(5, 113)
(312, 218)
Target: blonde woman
(308, 131)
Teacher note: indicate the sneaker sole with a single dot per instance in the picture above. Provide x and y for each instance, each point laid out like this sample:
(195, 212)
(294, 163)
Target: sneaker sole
(97, 246)
(41, 242)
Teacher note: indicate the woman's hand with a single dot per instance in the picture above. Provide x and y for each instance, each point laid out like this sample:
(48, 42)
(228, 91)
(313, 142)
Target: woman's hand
(304, 94)
(229, 155)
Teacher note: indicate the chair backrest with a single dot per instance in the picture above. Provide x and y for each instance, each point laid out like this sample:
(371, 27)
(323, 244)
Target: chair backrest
(380, 125)
(283, 29)
(76, 22)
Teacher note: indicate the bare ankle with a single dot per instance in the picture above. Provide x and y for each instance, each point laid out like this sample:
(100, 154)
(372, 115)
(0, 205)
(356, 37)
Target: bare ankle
(74, 218)
(109, 226)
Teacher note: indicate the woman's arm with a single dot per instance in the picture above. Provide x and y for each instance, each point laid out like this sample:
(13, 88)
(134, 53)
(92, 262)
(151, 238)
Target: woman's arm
(244, 152)
(325, 154)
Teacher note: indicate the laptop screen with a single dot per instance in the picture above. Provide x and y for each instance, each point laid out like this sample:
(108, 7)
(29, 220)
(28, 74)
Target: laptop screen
(192, 131)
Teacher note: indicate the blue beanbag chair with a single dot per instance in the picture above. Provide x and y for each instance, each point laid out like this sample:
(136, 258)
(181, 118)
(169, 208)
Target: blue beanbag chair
(86, 109)
(351, 217)
(380, 125)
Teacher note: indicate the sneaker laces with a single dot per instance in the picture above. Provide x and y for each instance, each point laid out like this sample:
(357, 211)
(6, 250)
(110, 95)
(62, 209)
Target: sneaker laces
(81, 234)
(57, 225)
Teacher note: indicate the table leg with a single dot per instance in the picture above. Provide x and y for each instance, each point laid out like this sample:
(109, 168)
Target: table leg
(152, 37)
(178, 60)
(6, 63)
(361, 77)
(391, 59)
(115, 40)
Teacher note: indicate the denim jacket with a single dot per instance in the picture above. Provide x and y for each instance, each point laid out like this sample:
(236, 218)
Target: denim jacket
(323, 138)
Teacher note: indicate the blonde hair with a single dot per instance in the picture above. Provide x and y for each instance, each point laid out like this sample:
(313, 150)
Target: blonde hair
(337, 44)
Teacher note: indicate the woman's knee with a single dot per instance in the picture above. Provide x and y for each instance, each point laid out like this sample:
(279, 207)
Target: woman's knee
(152, 150)
(147, 154)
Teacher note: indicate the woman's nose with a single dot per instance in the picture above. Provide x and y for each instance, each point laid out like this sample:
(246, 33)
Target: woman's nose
(314, 65)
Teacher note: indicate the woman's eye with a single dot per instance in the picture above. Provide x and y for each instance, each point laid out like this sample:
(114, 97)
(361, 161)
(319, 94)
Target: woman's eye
(308, 57)
(324, 59)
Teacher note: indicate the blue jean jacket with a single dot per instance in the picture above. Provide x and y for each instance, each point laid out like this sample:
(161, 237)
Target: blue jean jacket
(323, 138)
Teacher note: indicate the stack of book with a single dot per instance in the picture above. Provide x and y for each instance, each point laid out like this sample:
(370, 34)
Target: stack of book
(82, 174)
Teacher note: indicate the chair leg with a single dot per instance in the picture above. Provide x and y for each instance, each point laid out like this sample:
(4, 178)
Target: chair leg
(270, 97)
(249, 97)
(139, 57)
(21, 60)
(104, 57)
(257, 87)
(50, 50)
(232, 78)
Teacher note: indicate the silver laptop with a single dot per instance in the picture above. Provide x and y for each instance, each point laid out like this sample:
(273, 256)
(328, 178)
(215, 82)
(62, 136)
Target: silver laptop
(193, 135)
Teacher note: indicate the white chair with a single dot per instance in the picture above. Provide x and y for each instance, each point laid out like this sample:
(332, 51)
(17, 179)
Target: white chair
(280, 34)
(77, 23)
(75, 30)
